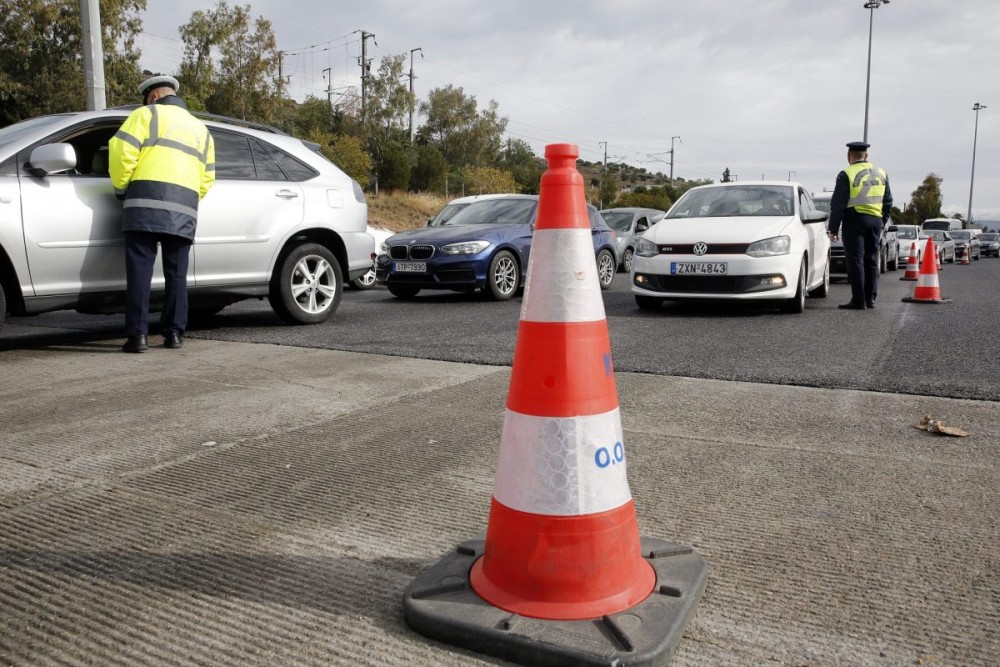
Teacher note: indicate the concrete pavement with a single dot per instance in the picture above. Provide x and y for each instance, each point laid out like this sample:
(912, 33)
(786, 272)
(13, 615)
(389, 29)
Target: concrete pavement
(249, 504)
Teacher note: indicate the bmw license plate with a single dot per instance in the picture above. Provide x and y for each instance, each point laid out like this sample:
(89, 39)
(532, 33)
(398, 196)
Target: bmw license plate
(698, 268)
(410, 267)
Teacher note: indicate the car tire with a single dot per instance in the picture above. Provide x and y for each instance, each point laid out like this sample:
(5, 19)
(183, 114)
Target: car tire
(627, 260)
(894, 264)
(366, 281)
(952, 260)
(607, 266)
(648, 302)
(3, 306)
(503, 276)
(307, 285)
(403, 291)
(797, 303)
(883, 261)
(823, 290)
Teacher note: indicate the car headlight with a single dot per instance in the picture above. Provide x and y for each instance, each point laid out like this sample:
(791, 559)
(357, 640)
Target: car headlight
(646, 249)
(384, 248)
(777, 245)
(465, 248)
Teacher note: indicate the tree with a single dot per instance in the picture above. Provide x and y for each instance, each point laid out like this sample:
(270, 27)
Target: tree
(925, 201)
(429, 170)
(456, 127)
(386, 126)
(348, 153)
(725, 175)
(393, 167)
(608, 192)
(647, 198)
(487, 180)
(518, 158)
(41, 57)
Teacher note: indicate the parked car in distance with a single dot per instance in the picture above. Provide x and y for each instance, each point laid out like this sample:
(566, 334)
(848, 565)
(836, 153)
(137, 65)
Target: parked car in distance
(989, 243)
(485, 246)
(449, 210)
(941, 224)
(944, 243)
(758, 241)
(281, 221)
(966, 241)
(629, 225)
(888, 253)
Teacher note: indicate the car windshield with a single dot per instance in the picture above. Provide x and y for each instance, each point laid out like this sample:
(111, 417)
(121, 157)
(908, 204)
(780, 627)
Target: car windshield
(498, 211)
(960, 235)
(446, 214)
(906, 232)
(734, 201)
(935, 234)
(620, 221)
(12, 133)
(937, 224)
(989, 238)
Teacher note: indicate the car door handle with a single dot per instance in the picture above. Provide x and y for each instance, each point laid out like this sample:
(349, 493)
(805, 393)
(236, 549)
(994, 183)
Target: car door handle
(286, 194)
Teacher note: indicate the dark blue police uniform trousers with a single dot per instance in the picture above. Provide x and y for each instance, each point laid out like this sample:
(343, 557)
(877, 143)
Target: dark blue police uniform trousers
(861, 234)
(140, 255)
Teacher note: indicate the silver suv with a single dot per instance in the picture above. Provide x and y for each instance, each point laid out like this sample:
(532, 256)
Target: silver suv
(281, 221)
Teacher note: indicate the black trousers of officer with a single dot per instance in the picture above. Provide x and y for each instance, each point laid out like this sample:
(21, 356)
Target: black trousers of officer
(140, 256)
(861, 235)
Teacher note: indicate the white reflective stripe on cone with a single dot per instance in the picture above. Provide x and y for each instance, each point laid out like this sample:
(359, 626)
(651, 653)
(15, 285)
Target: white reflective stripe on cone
(562, 466)
(564, 265)
(927, 280)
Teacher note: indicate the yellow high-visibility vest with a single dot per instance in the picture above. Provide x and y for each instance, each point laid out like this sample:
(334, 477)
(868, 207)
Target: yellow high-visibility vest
(867, 188)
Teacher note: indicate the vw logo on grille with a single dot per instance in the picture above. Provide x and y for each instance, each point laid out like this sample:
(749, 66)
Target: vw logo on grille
(700, 248)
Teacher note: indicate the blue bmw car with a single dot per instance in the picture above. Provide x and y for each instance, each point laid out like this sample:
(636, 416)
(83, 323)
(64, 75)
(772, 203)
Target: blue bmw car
(484, 247)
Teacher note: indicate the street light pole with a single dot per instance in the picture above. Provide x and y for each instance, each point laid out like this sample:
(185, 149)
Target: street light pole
(871, 6)
(412, 51)
(975, 135)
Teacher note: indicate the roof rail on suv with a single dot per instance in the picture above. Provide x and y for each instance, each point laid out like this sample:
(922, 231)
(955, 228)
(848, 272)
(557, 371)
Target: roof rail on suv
(220, 118)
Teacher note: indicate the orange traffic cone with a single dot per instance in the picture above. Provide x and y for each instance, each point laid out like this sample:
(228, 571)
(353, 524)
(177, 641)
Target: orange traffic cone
(912, 269)
(927, 289)
(966, 255)
(938, 260)
(562, 544)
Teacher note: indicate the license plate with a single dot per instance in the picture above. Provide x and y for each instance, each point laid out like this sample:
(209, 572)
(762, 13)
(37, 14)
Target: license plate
(698, 268)
(410, 267)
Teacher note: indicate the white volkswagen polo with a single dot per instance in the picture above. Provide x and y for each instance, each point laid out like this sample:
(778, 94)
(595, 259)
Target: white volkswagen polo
(757, 240)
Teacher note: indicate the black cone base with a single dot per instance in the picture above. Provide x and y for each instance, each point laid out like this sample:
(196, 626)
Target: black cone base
(441, 604)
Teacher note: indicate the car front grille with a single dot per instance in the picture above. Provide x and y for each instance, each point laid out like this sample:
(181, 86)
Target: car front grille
(713, 249)
(703, 284)
(418, 252)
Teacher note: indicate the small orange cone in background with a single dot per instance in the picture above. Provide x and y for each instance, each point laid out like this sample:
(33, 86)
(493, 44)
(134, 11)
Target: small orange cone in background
(912, 268)
(562, 576)
(927, 289)
(966, 255)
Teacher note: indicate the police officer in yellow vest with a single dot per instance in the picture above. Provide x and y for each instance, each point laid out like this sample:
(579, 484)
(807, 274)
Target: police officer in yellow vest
(162, 163)
(861, 201)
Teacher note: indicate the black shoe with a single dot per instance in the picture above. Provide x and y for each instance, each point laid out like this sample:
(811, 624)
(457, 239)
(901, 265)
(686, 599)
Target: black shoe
(870, 304)
(173, 340)
(852, 305)
(136, 344)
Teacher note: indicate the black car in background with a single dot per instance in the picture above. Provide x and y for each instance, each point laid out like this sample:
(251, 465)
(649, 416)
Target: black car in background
(989, 244)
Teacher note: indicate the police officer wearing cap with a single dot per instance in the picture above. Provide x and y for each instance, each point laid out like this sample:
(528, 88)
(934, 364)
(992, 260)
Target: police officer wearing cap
(162, 163)
(859, 209)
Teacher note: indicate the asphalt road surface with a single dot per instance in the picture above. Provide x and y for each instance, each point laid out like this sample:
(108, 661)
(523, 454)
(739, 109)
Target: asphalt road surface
(947, 350)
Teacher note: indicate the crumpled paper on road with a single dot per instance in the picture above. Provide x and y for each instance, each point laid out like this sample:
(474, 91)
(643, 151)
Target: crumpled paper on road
(931, 425)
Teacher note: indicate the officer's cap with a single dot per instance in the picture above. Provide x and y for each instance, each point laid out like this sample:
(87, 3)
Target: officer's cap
(156, 82)
(858, 146)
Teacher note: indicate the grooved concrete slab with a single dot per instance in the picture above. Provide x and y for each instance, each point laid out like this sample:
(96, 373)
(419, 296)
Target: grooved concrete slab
(238, 504)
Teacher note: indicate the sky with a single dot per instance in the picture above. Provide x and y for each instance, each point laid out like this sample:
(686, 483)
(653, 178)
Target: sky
(769, 89)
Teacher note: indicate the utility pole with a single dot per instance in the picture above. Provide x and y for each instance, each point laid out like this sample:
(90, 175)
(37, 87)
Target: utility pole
(93, 54)
(365, 74)
(280, 71)
(328, 75)
(605, 144)
(412, 98)
(672, 160)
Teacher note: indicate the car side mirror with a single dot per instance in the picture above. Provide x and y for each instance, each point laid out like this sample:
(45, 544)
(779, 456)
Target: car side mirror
(51, 159)
(892, 228)
(641, 227)
(813, 217)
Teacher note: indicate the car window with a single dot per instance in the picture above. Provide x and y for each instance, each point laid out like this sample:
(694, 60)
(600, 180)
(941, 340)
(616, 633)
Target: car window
(620, 221)
(498, 211)
(446, 214)
(822, 204)
(233, 157)
(90, 143)
(735, 201)
(989, 237)
(906, 232)
(267, 169)
(961, 235)
(293, 168)
(805, 202)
